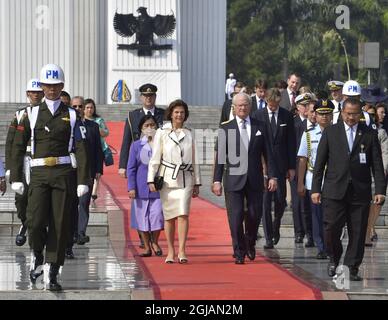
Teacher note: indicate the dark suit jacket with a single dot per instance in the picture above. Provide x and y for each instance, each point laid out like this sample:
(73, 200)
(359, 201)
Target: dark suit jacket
(344, 168)
(285, 100)
(258, 146)
(225, 111)
(135, 116)
(93, 143)
(284, 144)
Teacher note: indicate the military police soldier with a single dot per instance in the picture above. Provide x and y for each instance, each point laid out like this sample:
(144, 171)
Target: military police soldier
(57, 145)
(35, 95)
(306, 155)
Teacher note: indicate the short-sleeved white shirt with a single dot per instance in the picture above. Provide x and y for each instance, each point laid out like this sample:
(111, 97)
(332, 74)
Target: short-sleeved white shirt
(315, 137)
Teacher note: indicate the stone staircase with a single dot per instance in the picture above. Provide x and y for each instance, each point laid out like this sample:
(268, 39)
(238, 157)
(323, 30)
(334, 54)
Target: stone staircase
(204, 121)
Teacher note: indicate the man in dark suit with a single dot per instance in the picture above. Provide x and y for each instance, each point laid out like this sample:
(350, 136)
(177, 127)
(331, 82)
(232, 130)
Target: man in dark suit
(258, 100)
(281, 135)
(301, 213)
(289, 95)
(131, 133)
(241, 145)
(347, 153)
(227, 111)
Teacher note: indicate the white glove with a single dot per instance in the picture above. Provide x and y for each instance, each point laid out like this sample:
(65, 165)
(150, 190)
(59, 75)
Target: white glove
(18, 187)
(82, 190)
(7, 175)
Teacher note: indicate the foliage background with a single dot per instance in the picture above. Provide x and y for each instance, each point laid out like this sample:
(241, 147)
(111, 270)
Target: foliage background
(268, 39)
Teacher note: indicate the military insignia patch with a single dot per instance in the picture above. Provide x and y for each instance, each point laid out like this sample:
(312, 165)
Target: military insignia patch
(66, 119)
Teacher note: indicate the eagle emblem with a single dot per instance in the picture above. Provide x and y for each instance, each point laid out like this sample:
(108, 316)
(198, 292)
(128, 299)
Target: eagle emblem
(144, 26)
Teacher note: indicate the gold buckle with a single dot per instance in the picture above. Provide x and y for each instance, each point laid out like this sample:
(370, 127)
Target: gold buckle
(50, 161)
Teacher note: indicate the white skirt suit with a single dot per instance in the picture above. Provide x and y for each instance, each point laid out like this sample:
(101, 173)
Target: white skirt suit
(174, 158)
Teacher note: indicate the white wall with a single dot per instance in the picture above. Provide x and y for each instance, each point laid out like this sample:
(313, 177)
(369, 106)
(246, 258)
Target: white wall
(70, 33)
(161, 69)
(203, 35)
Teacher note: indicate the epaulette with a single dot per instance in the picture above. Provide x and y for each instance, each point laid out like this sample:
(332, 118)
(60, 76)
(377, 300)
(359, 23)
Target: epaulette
(225, 122)
(21, 108)
(310, 129)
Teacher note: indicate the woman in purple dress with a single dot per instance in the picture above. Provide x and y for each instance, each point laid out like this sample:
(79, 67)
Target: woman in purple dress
(148, 207)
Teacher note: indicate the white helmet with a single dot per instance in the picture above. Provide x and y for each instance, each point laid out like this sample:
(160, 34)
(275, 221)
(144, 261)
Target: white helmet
(231, 75)
(34, 85)
(52, 74)
(351, 88)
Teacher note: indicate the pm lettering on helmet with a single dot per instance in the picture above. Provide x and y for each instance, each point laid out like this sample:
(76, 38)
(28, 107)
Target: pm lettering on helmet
(353, 88)
(35, 84)
(53, 74)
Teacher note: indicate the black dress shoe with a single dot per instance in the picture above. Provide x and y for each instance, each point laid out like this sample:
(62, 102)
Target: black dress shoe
(21, 236)
(53, 274)
(309, 244)
(239, 261)
(268, 245)
(331, 269)
(276, 239)
(321, 256)
(82, 239)
(146, 254)
(69, 253)
(298, 239)
(37, 270)
(158, 252)
(251, 253)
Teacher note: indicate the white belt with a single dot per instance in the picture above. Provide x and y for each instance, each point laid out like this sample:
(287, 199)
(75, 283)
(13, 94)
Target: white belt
(50, 161)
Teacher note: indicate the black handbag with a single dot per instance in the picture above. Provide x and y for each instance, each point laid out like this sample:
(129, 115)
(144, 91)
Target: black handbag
(158, 182)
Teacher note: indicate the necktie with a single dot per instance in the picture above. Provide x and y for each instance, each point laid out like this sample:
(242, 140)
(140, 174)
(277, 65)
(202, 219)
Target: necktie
(149, 113)
(273, 124)
(261, 104)
(339, 106)
(244, 133)
(350, 139)
(293, 98)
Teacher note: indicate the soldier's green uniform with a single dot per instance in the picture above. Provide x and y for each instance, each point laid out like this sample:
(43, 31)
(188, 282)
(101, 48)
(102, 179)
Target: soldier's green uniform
(20, 200)
(49, 194)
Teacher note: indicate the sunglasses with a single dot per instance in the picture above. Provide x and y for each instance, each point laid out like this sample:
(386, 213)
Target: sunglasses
(78, 106)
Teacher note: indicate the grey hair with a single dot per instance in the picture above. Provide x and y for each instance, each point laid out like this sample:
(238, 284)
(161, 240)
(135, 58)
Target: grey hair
(243, 95)
(79, 97)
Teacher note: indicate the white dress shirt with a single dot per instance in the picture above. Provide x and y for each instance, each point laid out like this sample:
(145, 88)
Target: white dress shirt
(146, 111)
(258, 102)
(270, 115)
(53, 105)
(290, 96)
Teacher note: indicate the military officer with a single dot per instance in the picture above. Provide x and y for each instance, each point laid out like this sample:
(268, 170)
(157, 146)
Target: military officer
(57, 145)
(35, 96)
(131, 132)
(335, 88)
(306, 155)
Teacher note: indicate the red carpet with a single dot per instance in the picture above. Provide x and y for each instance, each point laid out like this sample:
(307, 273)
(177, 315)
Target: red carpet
(211, 272)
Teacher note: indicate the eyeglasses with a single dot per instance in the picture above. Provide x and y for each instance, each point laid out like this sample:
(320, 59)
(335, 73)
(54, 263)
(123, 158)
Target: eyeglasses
(78, 106)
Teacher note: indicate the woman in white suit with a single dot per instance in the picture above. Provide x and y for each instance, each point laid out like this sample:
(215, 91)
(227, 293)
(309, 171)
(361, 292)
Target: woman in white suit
(174, 158)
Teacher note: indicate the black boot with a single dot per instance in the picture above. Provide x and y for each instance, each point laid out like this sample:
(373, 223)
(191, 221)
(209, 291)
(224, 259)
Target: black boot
(21, 236)
(37, 270)
(53, 274)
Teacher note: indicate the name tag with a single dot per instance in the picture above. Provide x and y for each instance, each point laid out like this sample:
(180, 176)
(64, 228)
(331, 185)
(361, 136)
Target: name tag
(363, 158)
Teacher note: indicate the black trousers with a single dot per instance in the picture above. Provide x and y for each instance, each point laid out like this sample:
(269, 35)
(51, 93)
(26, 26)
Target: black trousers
(301, 212)
(254, 200)
(355, 214)
(272, 228)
